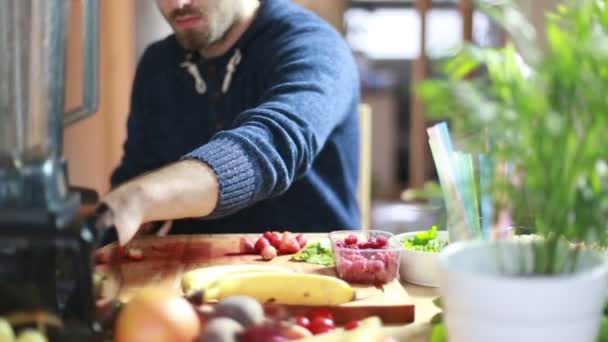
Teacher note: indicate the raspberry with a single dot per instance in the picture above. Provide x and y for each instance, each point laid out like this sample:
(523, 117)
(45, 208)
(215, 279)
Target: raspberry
(381, 241)
(375, 266)
(351, 239)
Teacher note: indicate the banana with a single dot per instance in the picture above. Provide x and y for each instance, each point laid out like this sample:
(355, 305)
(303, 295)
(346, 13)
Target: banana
(368, 331)
(283, 288)
(202, 278)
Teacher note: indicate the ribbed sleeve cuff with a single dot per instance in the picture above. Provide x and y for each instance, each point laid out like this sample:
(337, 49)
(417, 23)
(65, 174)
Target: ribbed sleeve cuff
(234, 170)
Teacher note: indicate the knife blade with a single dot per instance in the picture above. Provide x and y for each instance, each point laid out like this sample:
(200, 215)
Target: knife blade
(106, 242)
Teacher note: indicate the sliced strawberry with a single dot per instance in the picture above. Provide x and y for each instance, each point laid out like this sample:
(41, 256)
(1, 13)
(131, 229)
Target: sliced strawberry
(268, 235)
(289, 246)
(260, 244)
(286, 236)
(246, 246)
(274, 238)
(268, 253)
(302, 240)
(293, 246)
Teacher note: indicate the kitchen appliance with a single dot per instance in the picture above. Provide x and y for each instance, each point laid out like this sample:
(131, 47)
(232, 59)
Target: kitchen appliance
(45, 250)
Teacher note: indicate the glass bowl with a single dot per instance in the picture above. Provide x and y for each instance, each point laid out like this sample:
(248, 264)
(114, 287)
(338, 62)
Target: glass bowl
(363, 263)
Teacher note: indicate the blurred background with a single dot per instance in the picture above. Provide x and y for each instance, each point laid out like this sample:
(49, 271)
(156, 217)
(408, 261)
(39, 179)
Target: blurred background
(396, 43)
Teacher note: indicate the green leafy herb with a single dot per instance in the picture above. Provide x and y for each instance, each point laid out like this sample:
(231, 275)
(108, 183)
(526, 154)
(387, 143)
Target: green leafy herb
(317, 253)
(425, 241)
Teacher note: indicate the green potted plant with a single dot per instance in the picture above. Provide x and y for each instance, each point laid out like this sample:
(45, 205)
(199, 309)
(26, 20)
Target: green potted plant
(545, 112)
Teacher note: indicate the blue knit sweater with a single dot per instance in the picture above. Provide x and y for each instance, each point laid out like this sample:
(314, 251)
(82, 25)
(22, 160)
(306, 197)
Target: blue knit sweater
(280, 131)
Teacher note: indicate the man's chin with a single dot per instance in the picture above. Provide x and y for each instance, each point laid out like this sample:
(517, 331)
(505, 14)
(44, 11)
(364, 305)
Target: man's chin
(191, 41)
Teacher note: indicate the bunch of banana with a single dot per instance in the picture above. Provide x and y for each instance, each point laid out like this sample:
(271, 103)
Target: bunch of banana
(271, 285)
(202, 278)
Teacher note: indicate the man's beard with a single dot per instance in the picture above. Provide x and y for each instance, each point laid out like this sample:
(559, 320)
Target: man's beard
(193, 40)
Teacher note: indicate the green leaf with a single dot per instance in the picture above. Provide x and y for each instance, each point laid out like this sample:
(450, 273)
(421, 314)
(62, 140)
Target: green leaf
(316, 253)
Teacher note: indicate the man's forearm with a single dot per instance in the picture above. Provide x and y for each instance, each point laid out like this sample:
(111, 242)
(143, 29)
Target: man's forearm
(184, 189)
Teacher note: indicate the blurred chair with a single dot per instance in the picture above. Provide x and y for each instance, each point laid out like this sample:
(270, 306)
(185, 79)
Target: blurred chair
(364, 189)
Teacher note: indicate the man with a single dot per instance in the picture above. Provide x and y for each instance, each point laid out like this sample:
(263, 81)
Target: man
(244, 120)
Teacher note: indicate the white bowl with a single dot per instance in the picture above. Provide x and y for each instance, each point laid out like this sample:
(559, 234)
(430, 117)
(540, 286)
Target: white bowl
(417, 267)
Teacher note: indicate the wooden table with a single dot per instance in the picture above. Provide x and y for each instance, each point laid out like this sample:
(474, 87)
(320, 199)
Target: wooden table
(167, 258)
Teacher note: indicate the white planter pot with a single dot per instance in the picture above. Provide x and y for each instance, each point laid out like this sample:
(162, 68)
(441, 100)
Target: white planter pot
(481, 303)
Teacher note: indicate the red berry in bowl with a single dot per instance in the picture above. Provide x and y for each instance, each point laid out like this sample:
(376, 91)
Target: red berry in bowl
(351, 239)
(375, 266)
(365, 245)
(358, 267)
(372, 242)
(340, 244)
(381, 241)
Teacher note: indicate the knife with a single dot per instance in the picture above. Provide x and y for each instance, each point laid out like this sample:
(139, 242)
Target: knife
(102, 223)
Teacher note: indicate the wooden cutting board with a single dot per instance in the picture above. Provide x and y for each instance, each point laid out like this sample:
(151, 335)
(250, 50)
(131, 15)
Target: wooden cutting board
(167, 258)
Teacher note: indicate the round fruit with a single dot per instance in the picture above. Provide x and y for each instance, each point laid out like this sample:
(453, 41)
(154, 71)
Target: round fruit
(351, 325)
(31, 335)
(381, 241)
(221, 329)
(320, 325)
(302, 321)
(322, 313)
(244, 310)
(351, 239)
(157, 314)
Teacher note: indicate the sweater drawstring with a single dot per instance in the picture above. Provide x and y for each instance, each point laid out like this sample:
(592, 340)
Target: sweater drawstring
(230, 69)
(199, 82)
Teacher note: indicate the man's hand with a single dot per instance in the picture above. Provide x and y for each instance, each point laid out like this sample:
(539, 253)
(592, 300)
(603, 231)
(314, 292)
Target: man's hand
(184, 189)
